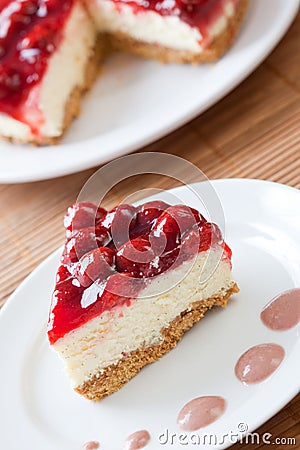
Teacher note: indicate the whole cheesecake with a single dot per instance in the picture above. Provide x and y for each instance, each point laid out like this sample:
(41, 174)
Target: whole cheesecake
(50, 51)
(131, 282)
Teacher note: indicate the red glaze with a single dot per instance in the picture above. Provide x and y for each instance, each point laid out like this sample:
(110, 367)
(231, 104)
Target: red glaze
(201, 238)
(92, 445)
(30, 32)
(201, 14)
(283, 312)
(119, 222)
(95, 277)
(139, 259)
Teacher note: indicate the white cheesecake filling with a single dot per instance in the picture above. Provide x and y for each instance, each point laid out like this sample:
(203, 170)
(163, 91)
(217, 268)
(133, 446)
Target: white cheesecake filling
(66, 70)
(153, 28)
(104, 340)
(12, 128)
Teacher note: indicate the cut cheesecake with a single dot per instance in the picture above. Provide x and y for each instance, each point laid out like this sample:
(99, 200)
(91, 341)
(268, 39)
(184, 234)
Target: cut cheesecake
(181, 31)
(131, 282)
(50, 51)
(48, 58)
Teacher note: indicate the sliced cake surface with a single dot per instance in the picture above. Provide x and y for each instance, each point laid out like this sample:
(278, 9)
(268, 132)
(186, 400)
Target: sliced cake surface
(45, 48)
(132, 280)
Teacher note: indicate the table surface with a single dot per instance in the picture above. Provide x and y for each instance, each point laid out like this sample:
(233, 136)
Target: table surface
(252, 133)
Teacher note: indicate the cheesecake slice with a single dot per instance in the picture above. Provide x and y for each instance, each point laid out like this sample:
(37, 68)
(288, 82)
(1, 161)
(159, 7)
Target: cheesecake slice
(131, 281)
(47, 55)
(181, 31)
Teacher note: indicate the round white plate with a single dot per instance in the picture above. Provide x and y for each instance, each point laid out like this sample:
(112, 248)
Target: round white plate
(39, 410)
(135, 101)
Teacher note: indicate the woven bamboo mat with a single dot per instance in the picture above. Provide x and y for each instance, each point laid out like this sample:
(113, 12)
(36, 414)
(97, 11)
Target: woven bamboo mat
(252, 133)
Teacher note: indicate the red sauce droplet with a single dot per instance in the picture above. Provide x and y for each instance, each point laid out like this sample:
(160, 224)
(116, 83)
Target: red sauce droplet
(92, 445)
(200, 412)
(137, 440)
(283, 312)
(258, 363)
(82, 215)
(95, 265)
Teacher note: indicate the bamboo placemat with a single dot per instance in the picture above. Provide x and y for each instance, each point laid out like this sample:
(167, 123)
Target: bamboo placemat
(252, 133)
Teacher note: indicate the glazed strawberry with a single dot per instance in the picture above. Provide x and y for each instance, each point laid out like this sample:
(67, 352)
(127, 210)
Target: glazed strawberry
(95, 265)
(140, 259)
(173, 223)
(118, 222)
(82, 242)
(82, 215)
(134, 257)
(201, 238)
(95, 277)
(34, 45)
(30, 33)
(148, 212)
(198, 217)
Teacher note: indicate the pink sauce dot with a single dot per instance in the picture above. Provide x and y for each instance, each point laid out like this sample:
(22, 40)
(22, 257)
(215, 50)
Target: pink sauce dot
(200, 412)
(258, 363)
(283, 312)
(137, 440)
(92, 445)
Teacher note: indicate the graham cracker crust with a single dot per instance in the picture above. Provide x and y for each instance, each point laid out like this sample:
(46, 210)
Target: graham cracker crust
(115, 376)
(73, 105)
(212, 53)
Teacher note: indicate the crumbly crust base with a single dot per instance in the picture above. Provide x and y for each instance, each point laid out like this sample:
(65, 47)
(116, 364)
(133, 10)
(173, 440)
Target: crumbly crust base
(213, 52)
(115, 376)
(73, 105)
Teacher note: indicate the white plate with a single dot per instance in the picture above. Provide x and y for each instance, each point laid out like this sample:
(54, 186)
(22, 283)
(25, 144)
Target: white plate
(38, 409)
(135, 102)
